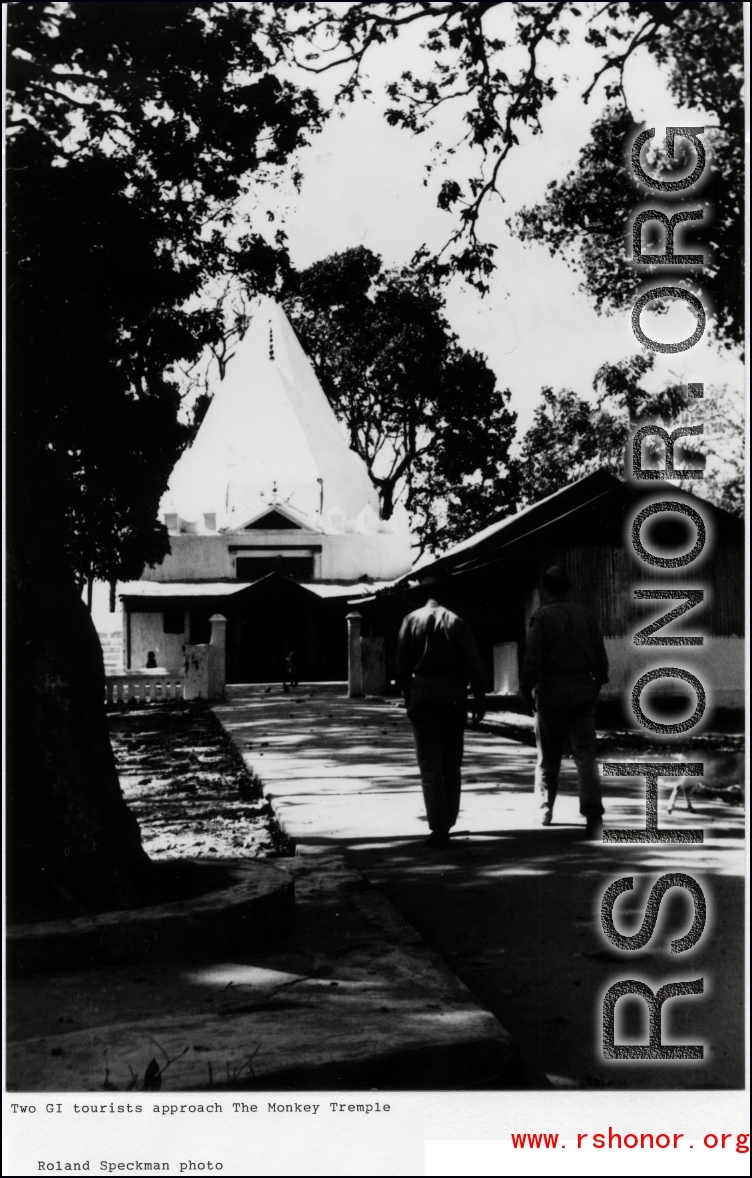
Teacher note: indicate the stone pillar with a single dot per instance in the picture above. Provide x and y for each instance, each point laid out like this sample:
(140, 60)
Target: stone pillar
(354, 663)
(126, 636)
(196, 683)
(218, 657)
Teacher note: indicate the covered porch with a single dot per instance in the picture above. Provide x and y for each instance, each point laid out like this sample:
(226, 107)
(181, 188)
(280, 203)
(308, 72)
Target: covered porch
(267, 619)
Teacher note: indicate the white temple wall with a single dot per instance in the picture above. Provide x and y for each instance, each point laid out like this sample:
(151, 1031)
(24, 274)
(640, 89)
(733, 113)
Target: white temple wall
(383, 556)
(348, 557)
(195, 558)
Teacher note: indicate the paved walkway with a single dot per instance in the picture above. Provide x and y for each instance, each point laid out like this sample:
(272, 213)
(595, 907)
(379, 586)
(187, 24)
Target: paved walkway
(513, 908)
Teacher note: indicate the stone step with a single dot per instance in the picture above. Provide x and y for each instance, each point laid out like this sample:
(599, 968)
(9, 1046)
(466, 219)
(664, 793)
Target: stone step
(239, 902)
(352, 997)
(112, 651)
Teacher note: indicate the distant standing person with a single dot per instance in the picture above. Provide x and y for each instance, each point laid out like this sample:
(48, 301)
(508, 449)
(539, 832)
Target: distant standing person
(293, 673)
(436, 658)
(564, 669)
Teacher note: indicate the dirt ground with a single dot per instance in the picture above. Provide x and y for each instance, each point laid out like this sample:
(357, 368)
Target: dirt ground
(188, 788)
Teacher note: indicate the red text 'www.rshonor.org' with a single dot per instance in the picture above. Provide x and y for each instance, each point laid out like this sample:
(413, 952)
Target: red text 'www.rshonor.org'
(738, 1142)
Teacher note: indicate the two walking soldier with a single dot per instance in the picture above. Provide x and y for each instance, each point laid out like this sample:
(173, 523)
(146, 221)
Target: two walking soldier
(565, 666)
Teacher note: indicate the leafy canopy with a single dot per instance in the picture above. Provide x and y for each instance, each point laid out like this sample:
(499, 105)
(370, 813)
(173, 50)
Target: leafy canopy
(424, 414)
(133, 130)
(586, 217)
(571, 437)
(490, 63)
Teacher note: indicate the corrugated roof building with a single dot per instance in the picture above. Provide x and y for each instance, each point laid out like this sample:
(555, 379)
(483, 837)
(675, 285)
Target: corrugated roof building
(495, 579)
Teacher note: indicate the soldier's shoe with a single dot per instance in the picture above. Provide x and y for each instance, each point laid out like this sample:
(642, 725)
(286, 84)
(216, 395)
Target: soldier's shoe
(438, 838)
(594, 829)
(546, 818)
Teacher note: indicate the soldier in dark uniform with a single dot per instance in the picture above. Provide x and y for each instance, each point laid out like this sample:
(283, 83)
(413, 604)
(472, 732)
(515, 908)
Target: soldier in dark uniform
(436, 658)
(564, 669)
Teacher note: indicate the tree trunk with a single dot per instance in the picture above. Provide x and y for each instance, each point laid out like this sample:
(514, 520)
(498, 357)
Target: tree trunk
(386, 495)
(73, 844)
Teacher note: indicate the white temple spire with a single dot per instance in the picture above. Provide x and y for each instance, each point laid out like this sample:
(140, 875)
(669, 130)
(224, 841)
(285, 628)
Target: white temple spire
(270, 435)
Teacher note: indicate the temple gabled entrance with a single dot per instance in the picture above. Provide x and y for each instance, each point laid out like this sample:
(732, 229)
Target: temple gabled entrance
(266, 620)
(275, 519)
(273, 617)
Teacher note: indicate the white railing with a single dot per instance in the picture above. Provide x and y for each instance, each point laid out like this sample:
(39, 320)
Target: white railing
(144, 687)
(202, 676)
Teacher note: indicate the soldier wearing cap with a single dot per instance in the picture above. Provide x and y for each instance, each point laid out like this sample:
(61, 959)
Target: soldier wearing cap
(565, 666)
(436, 658)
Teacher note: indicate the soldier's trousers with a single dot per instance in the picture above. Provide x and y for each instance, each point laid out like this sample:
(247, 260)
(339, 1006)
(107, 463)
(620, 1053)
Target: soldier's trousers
(439, 730)
(566, 706)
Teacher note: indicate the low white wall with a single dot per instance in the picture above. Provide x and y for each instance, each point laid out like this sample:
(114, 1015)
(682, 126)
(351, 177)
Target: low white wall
(347, 557)
(718, 664)
(196, 672)
(147, 633)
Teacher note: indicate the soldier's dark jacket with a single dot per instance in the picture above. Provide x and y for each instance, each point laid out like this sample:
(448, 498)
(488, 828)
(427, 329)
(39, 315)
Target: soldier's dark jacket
(437, 644)
(564, 639)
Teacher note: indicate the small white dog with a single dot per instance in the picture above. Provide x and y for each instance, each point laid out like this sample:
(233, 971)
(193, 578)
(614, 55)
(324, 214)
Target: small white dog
(721, 771)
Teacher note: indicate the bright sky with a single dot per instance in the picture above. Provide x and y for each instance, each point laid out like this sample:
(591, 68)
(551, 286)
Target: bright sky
(363, 184)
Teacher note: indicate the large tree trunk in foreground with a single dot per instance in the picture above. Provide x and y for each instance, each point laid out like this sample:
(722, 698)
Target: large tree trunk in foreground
(73, 845)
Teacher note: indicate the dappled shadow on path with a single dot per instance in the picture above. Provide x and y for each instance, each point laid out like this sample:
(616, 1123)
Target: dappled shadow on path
(517, 916)
(370, 742)
(515, 910)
